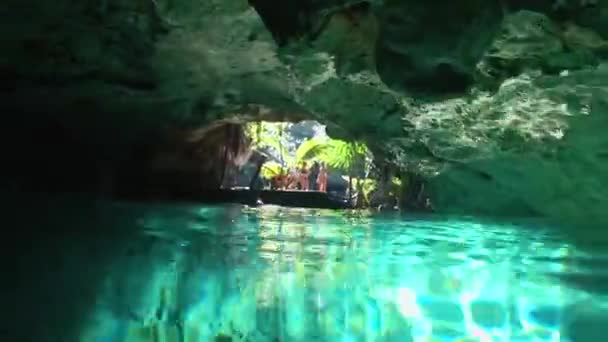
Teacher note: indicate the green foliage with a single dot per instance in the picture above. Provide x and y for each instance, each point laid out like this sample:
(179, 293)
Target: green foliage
(271, 169)
(367, 186)
(268, 136)
(312, 149)
(338, 154)
(396, 185)
(265, 135)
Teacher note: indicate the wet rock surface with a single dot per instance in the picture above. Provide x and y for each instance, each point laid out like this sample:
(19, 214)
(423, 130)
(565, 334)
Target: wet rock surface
(500, 106)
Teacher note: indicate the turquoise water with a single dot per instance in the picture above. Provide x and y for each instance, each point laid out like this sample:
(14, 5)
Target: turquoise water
(232, 273)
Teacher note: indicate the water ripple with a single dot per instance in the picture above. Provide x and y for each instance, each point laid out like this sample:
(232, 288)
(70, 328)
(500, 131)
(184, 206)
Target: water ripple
(359, 276)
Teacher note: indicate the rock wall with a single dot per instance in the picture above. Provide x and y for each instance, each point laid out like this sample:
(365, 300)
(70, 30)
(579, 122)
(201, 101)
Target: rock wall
(500, 105)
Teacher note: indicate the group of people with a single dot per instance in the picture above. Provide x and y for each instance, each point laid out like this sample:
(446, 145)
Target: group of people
(300, 178)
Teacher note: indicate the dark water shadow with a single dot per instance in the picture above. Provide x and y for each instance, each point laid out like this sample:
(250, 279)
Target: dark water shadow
(46, 242)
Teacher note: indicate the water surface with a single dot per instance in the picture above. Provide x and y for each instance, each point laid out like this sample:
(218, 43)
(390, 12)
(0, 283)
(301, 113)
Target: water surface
(128, 272)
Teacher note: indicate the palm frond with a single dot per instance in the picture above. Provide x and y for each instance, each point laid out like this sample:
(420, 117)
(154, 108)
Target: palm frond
(271, 169)
(314, 148)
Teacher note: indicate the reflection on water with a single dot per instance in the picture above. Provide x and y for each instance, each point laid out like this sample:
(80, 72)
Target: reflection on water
(277, 274)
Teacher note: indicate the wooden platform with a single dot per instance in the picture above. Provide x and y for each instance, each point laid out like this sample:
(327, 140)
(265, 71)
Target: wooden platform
(305, 199)
(287, 198)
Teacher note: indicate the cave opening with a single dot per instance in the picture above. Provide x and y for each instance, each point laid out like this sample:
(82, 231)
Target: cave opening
(236, 159)
(300, 158)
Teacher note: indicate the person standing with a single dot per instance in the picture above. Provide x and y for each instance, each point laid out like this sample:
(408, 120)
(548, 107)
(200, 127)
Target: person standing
(303, 177)
(322, 178)
(312, 178)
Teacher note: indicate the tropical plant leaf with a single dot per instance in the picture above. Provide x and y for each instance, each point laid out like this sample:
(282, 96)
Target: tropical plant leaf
(313, 149)
(271, 169)
(367, 185)
(338, 154)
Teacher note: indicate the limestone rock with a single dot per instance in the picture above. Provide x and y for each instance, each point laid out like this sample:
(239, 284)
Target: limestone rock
(434, 49)
(526, 40)
(551, 163)
(499, 104)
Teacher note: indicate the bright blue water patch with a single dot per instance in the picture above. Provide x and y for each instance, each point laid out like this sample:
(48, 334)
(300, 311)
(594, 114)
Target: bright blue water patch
(547, 315)
(489, 314)
(441, 310)
(277, 274)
